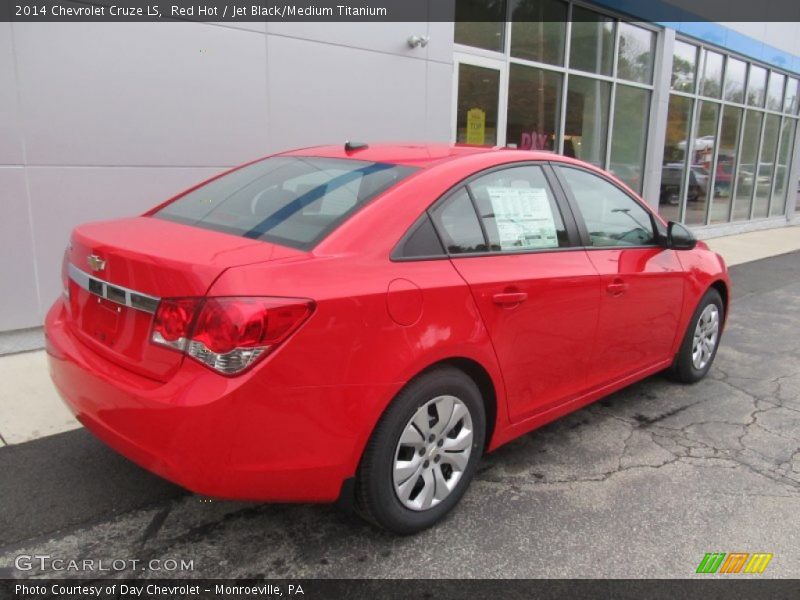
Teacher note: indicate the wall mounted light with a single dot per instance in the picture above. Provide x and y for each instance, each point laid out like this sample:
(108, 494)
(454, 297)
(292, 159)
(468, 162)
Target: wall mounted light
(415, 41)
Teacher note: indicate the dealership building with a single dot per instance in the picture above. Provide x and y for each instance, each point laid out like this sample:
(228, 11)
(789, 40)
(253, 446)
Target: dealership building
(101, 120)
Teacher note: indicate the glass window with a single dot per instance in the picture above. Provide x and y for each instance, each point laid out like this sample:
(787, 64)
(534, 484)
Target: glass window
(766, 166)
(478, 92)
(775, 91)
(636, 51)
(421, 242)
(612, 217)
(679, 116)
(756, 86)
(288, 200)
(702, 155)
(684, 66)
(591, 42)
(734, 80)
(538, 30)
(458, 225)
(518, 210)
(586, 125)
(480, 23)
(534, 100)
(629, 134)
(726, 162)
(790, 102)
(784, 167)
(711, 82)
(745, 176)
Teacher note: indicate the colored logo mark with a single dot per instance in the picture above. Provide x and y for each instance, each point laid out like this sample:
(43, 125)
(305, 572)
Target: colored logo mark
(735, 562)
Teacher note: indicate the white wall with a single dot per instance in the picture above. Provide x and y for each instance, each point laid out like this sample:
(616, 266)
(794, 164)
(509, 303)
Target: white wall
(106, 120)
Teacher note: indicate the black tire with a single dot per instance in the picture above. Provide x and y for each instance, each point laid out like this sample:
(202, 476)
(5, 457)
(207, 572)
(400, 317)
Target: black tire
(683, 369)
(375, 497)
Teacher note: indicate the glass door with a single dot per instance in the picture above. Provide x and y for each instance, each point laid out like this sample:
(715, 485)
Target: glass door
(480, 91)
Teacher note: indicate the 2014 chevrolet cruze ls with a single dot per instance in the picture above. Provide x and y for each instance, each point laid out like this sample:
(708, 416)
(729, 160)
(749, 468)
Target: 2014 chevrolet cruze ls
(366, 321)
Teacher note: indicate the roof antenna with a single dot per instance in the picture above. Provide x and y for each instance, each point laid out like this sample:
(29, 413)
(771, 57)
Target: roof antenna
(353, 146)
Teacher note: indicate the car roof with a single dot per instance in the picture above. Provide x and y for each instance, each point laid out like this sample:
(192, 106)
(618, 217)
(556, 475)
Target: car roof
(420, 155)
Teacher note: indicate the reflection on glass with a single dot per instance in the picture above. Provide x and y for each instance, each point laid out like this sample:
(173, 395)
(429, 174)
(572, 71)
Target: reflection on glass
(711, 82)
(734, 80)
(756, 86)
(684, 65)
(538, 30)
(726, 162)
(792, 93)
(775, 91)
(586, 124)
(784, 165)
(745, 176)
(480, 23)
(534, 98)
(766, 167)
(636, 50)
(678, 116)
(591, 42)
(702, 155)
(629, 140)
(476, 119)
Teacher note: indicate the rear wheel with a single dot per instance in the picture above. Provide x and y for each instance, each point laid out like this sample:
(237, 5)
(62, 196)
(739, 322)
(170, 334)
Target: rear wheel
(700, 343)
(423, 452)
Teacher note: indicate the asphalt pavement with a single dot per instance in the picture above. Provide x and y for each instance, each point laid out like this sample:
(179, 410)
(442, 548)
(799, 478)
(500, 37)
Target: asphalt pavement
(640, 484)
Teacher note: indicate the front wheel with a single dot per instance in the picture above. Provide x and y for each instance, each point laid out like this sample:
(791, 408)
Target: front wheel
(700, 343)
(423, 452)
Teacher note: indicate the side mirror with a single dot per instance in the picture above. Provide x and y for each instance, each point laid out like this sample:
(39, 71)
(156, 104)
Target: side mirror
(679, 237)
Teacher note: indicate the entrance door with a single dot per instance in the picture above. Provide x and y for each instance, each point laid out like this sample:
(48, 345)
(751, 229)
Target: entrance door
(480, 91)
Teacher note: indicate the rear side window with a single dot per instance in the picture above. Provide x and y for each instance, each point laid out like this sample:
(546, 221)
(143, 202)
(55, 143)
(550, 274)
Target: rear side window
(458, 225)
(291, 200)
(518, 210)
(421, 241)
(612, 217)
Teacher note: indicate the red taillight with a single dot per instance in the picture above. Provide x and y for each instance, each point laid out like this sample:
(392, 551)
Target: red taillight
(173, 321)
(228, 334)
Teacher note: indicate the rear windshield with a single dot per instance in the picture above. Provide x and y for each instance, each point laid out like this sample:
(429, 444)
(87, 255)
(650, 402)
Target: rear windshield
(290, 200)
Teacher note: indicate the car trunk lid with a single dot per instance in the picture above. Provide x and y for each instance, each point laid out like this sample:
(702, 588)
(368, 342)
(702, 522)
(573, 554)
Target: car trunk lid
(118, 270)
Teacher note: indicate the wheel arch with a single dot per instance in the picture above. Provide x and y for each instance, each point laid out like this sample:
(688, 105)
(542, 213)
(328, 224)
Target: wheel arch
(722, 288)
(481, 377)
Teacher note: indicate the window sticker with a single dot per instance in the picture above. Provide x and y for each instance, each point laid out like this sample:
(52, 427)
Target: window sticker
(524, 218)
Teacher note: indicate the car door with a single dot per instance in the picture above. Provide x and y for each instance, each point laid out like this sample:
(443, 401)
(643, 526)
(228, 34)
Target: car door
(536, 289)
(642, 281)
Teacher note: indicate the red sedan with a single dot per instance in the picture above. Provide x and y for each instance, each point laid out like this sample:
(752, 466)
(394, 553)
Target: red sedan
(364, 322)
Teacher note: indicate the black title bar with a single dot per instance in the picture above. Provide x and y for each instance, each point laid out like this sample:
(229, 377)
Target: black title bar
(376, 10)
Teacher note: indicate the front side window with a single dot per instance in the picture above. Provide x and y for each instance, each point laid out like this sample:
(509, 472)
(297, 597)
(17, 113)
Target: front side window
(518, 210)
(289, 200)
(612, 217)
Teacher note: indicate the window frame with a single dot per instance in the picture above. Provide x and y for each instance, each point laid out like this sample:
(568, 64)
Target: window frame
(659, 232)
(561, 201)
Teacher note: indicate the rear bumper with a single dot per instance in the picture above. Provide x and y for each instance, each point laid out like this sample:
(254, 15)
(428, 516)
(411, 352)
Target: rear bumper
(234, 438)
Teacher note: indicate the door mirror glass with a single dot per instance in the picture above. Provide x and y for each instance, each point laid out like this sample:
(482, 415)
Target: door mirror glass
(680, 238)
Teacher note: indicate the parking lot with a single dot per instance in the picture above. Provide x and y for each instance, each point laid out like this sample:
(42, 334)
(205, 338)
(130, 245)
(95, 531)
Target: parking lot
(640, 484)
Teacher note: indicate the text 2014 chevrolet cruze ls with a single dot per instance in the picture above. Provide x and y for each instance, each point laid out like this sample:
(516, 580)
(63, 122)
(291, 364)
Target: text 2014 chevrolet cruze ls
(368, 321)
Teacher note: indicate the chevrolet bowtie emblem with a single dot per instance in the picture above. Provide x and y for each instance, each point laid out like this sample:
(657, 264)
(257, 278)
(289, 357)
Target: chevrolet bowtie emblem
(96, 263)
